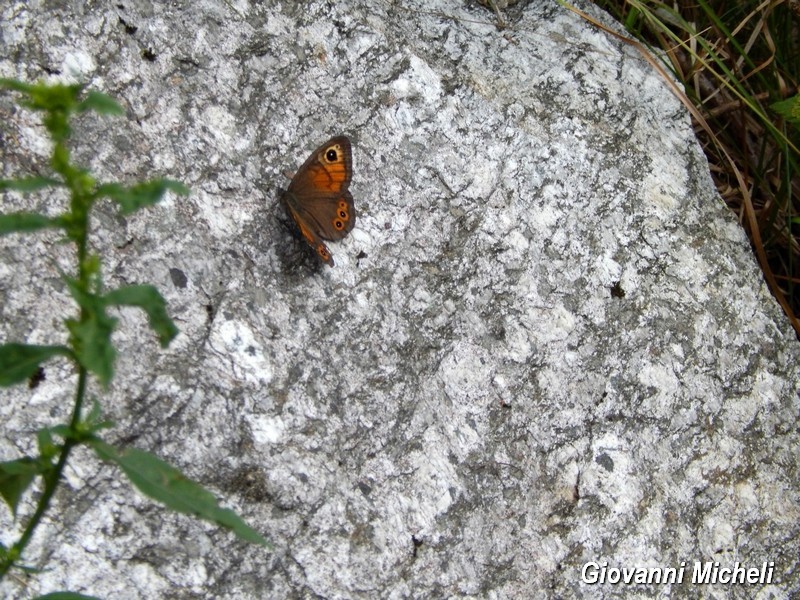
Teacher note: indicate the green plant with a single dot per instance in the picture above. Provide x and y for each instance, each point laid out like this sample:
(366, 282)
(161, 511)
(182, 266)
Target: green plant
(89, 345)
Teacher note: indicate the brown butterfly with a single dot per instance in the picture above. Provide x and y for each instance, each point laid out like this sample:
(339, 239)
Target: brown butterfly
(318, 198)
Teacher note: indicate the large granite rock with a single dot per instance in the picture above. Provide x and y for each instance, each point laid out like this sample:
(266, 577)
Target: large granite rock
(545, 345)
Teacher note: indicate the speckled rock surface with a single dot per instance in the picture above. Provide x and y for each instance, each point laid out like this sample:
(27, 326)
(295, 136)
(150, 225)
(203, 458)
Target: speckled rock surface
(546, 343)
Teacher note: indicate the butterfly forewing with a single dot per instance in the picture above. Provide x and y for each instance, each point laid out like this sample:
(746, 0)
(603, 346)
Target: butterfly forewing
(327, 171)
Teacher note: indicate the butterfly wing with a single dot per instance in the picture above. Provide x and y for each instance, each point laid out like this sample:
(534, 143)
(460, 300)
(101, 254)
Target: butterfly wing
(330, 217)
(328, 169)
(306, 224)
(318, 198)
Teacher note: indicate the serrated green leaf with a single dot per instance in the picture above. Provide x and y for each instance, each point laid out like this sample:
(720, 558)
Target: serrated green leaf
(788, 109)
(57, 101)
(100, 425)
(131, 199)
(19, 361)
(25, 221)
(28, 184)
(166, 484)
(100, 103)
(65, 596)
(91, 336)
(54, 98)
(63, 431)
(92, 342)
(92, 423)
(47, 447)
(151, 302)
(94, 413)
(15, 477)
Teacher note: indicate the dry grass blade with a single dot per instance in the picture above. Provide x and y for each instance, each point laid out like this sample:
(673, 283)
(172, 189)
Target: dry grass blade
(759, 154)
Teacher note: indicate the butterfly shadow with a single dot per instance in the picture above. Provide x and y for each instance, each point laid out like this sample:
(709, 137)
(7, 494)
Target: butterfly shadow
(294, 255)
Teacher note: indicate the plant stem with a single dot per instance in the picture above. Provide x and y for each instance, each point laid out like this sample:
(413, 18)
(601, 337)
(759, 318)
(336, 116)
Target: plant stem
(81, 203)
(51, 480)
